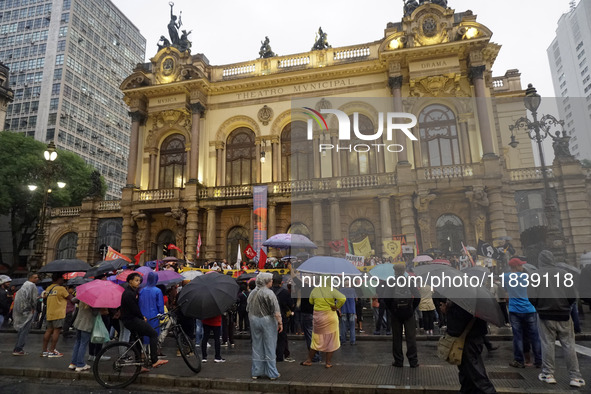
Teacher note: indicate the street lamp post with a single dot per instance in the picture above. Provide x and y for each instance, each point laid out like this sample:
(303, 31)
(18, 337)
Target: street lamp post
(538, 131)
(50, 155)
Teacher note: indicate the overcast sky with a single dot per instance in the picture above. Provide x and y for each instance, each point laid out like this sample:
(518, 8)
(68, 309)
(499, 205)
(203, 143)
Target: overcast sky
(231, 31)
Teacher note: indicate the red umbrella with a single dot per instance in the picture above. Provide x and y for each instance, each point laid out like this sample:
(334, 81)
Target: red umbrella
(72, 275)
(100, 294)
(441, 261)
(123, 275)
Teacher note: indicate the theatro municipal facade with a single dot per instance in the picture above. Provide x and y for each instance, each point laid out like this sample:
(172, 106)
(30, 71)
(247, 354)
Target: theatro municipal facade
(206, 139)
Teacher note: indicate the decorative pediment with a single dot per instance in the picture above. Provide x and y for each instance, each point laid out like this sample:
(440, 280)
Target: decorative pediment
(447, 85)
(170, 65)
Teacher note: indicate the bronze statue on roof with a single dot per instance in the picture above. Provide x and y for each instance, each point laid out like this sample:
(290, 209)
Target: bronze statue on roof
(181, 43)
(265, 50)
(321, 41)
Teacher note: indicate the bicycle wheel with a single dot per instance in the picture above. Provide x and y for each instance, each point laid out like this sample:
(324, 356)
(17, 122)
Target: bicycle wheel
(117, 365)
(187, 348)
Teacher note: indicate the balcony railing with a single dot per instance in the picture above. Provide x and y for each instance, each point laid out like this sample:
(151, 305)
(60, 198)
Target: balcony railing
(156, 195)
(67, 211)
(448, 172)
(110, 205)
(526, 174)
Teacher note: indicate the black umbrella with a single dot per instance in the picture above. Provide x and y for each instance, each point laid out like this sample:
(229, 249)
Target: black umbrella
(483, 273)
(208, 296)
(45, 282)
(65, 265)
(77, 281)
(451, 284)
(569, 268)
(18, 281)
(104, 267)
(246, 277)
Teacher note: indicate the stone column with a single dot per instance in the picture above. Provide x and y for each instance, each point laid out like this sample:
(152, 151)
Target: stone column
(464, 137)
(219, 165)
(316, 156)
(385, 220)
(197, 110)
(486, 134)
(422, 201)
(336, 163)
(318, 226)
(335, 219)
(276, 158)
(210, 239)
(258, 164)
(271, 219)
(152, 182)
(192, 232)
(496, 212)
(143, 231)
(395, 83)
(127, 231)
(407, 219)
(138, 119)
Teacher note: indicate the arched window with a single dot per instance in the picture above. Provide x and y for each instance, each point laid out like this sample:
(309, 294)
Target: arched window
(450, 233)
(173, 159)
(439, 136)
(160, 249)
(236, 236)
(365, 161)
(360, 229)
(109, 233)
(240, 157)
(66, 246)
(299, 228)
(297, 160)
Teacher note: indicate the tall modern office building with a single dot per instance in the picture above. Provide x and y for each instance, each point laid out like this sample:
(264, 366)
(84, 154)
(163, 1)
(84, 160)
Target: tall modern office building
(570, 62)
(67, 59)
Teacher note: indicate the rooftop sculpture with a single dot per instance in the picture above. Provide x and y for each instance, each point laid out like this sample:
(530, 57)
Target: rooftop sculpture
(181, 43)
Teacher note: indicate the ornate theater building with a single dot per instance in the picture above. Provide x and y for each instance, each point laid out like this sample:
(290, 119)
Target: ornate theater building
(204, 136)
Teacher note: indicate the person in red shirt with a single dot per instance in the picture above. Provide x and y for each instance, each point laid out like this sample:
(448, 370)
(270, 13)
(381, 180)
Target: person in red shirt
(212, 325)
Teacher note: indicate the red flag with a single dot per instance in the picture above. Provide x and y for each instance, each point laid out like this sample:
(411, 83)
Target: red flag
(346, 246)
(173, 246)
(137, 257)
(112, 254)
(198, 245)
(262, 259)
(249, 252)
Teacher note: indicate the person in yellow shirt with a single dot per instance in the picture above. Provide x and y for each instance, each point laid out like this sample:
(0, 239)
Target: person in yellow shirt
(57, 298)
(325, 333)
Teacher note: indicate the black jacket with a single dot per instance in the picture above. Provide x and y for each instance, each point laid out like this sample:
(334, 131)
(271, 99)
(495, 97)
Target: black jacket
(458, 319)
(130, 308)
(5, 301)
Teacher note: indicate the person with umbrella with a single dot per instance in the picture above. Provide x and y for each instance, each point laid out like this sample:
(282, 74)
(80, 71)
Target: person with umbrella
(25, 302)
(553, 303)
(5, 298)
(134, 320)
(325, 332)
(264, 315)
(522, 315)
(151, 302)
(84, 323)
(56, 297)
(471, 371)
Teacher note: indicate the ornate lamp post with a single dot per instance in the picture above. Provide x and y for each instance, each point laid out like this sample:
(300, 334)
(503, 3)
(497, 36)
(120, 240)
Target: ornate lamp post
(50, 155)
(538, 131)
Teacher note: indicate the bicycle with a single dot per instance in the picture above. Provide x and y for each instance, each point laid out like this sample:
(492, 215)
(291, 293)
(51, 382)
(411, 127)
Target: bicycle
(118, 364)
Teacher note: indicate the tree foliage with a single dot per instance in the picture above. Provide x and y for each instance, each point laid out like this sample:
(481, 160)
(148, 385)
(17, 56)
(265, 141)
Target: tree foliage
(23, 164)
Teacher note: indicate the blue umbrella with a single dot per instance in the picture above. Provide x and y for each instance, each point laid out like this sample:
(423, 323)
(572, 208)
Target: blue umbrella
(289, 241)
(383, 271)
(328, 265)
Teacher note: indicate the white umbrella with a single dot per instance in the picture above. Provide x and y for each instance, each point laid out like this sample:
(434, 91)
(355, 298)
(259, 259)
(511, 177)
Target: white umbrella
(190, 275)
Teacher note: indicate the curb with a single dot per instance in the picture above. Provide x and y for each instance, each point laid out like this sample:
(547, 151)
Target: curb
(287, 387)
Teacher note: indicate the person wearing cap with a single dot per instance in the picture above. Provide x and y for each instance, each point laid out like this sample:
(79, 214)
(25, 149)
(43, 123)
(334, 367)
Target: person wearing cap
(553, 300)
(5, 298)
(522, 315)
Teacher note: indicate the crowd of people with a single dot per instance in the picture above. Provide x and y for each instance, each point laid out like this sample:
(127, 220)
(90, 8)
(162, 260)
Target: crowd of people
(269, 307)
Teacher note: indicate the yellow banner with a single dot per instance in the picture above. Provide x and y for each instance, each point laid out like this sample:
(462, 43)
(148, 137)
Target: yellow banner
(392, 248)
(362, 248)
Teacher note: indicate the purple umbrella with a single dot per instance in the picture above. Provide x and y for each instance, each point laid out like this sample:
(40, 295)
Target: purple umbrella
(145, 270)
(167, 277)
(289, 241)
